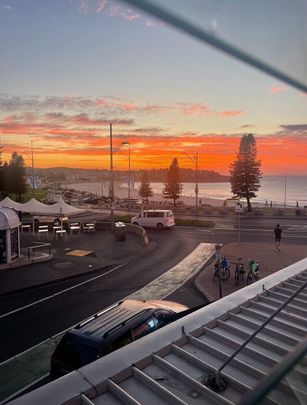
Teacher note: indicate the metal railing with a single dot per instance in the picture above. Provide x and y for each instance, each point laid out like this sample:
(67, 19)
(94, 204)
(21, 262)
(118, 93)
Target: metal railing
(32, 250)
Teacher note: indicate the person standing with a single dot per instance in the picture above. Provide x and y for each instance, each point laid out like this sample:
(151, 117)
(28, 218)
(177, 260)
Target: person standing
(277, 233)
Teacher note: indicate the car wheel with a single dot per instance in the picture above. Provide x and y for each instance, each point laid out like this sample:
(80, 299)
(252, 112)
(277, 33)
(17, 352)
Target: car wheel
(159, 226)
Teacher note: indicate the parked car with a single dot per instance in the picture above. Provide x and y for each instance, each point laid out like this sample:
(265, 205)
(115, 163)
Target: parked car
(154, 219)
(110, 329)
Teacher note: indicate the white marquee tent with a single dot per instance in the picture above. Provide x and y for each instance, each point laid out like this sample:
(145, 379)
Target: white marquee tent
(60, 208)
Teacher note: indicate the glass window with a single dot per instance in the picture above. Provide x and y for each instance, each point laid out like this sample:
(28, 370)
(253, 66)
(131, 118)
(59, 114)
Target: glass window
(14, 243)
(144, 328)
(121, 341)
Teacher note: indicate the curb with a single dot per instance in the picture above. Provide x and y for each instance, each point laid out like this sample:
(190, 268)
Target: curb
(198, 284)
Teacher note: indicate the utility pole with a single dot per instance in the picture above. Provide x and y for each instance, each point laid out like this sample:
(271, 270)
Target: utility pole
(129, 177)
(32, 168)
(111, 191)
(196, 181)
(194, 159)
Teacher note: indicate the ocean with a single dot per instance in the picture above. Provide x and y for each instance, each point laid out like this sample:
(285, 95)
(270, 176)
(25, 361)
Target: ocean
(281, 190)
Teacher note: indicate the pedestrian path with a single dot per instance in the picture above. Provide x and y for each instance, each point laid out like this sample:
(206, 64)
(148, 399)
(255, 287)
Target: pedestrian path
(168, 282)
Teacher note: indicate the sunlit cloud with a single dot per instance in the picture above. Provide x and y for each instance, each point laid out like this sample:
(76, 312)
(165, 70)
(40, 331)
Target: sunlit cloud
(234, 113)
(278, 89)
(74, 131)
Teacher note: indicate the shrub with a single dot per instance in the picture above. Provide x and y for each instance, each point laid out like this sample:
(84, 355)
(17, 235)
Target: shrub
(194, 222)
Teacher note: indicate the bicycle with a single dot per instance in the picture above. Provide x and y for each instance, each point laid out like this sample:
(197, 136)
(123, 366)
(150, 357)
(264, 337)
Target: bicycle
(222, 269)
(239, 271)
(253, 273)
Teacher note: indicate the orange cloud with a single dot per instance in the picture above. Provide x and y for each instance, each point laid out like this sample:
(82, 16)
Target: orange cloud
(278, 153)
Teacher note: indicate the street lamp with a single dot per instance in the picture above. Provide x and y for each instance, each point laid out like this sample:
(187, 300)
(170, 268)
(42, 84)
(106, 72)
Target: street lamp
(195, 160)
(111, 192)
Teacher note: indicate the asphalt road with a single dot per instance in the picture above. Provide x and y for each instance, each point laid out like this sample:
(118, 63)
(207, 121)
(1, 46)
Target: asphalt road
(47, 318)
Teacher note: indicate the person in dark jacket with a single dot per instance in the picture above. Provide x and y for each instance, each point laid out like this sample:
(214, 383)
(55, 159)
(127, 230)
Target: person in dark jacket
(277, 233)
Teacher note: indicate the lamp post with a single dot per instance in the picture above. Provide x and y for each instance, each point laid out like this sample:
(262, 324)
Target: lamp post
(129, 173)
(195, 160)
(111, 192)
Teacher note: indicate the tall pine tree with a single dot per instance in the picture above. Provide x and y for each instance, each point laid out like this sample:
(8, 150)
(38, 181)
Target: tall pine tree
(173, 186)
(145, 191)
(245, 171)
(17, 175)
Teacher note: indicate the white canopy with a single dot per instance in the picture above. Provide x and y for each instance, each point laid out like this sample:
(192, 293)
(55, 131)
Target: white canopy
(8, 203)
(34, 207)
(60, 208)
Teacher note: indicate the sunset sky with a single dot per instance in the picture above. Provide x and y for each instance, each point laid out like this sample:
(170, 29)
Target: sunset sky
(69, 68)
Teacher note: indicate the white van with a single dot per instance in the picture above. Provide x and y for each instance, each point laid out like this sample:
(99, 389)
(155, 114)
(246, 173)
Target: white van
(154, 219)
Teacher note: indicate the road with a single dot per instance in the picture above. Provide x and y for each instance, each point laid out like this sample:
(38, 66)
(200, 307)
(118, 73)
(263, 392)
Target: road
(47, 316)
(30, 317)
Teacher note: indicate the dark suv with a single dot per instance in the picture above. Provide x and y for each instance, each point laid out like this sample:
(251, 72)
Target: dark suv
(110, 329)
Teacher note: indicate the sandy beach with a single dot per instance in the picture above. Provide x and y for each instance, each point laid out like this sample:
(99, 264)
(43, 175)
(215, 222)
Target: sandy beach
(122, 192)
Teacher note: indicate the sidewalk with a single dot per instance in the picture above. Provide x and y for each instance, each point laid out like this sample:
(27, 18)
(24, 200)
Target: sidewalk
(96, 251)
(271, 260)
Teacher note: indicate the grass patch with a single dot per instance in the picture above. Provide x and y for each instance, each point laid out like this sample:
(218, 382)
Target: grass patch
(123, 218)
(39, 194)
(194, 222)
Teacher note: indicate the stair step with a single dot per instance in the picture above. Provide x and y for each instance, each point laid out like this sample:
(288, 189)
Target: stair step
(186, 360)
(273, 303)
(290, 325)
(289, 290)
(283, 298)
(238, 326)
(259, 343)
(283, 315)
(229, 346)
(279, 333)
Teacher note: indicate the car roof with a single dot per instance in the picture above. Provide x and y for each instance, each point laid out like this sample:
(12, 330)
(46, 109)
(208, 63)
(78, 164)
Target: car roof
(103, 323)
(157, 210)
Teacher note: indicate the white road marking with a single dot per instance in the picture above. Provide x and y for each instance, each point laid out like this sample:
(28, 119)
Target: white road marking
(58, 293)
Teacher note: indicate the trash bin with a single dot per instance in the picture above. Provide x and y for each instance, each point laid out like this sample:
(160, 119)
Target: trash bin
(120, 231)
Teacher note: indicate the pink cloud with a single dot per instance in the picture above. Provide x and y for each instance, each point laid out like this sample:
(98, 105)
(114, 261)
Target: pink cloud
(195, 109)
(101, 5)
(83, 6)
(127, 14)
(150, 24)
(231, 113)
(277, 89)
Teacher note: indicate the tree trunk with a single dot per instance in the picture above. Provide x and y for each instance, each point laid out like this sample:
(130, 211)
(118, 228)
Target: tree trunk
(249, 206)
